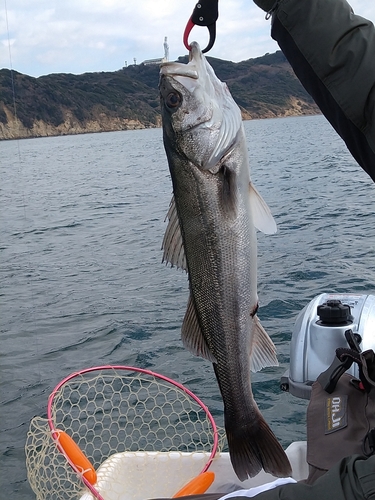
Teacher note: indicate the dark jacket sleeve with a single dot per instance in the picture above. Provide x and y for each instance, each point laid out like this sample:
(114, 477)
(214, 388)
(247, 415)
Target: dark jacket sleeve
(332, 52)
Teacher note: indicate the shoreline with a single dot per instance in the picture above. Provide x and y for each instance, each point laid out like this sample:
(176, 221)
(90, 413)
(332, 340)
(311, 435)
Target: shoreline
(96, 127)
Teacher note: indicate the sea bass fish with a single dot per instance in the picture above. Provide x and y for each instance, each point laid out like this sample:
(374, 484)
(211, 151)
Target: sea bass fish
(211, 233)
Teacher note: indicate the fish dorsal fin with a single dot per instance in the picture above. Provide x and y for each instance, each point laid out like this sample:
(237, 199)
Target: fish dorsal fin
(192, 336)
(263, 350)
(262, 217)
(173, 247)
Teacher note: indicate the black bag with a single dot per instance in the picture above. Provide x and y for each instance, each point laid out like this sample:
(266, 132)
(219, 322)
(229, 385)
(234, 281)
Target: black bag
(341, 412)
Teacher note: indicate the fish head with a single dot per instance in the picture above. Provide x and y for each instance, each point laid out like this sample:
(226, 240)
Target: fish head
(198, 112)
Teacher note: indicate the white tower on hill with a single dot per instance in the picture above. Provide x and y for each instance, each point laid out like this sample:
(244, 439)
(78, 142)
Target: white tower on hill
(160, 59)
(166, 49)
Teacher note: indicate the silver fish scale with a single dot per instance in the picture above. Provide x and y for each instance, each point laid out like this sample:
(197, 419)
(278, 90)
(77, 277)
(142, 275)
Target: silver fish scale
(217, 247)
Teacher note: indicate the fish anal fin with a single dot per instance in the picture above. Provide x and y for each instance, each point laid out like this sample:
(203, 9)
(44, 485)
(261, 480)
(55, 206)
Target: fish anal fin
(262, 217)
(263, 350)
(192, 336)
(172, 245)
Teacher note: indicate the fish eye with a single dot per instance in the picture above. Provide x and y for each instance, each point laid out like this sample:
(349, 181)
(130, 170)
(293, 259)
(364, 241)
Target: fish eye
(173, 100)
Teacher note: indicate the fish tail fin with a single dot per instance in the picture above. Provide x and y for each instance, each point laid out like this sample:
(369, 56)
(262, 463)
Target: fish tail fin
(253, 446)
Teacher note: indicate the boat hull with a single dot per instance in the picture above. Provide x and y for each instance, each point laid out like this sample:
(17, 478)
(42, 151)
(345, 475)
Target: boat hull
(140, 475)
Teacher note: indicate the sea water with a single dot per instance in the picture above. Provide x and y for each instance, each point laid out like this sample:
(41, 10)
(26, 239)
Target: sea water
(82, 283)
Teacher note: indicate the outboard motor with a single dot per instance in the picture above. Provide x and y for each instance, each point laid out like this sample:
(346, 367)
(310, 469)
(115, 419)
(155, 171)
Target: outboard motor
(328, 322)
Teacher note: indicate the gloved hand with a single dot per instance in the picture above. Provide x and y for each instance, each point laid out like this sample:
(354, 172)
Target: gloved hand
(266, 5)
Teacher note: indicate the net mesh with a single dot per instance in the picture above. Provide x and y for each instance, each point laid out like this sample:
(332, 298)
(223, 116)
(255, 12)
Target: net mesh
(133, 418)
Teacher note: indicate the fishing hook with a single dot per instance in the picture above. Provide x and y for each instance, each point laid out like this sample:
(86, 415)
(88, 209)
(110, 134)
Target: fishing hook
(205, 13)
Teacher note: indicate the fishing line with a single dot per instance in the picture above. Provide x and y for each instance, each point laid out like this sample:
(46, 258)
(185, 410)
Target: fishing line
(10, 62)
(12, 78)
(17, 130)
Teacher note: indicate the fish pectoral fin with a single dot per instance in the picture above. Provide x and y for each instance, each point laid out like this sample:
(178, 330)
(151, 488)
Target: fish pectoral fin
(172, 245)
(262, 217)
(192, 336)
(263, 350)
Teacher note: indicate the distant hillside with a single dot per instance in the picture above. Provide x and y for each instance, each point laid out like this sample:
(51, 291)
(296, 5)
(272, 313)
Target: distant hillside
(60, 104)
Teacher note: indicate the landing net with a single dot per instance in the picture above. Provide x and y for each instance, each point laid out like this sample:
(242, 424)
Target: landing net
(143, 434)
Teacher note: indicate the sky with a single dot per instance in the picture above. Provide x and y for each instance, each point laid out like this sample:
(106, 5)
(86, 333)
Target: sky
(39, 37)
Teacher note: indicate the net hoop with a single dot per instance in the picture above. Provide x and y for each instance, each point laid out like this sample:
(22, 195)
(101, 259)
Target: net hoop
(55, 431)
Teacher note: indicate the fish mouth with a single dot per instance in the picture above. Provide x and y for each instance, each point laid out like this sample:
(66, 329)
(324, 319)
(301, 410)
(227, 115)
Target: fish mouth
(187, 74)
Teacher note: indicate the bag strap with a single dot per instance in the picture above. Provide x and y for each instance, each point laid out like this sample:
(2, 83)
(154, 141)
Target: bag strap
(329, 378)
(368, 369)
(366, 364)
(342, 362)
